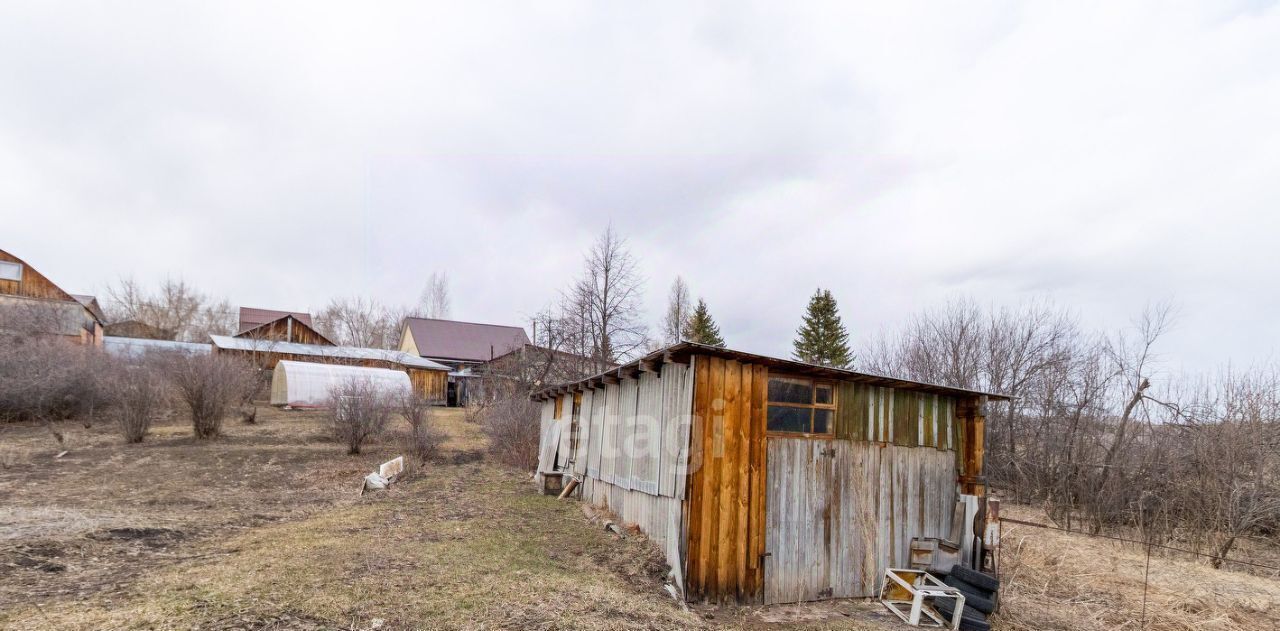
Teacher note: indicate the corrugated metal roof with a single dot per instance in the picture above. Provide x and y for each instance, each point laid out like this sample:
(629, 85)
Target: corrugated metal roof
(251, 317)
(785, 365)
(134, 346)
(90, 303)
(468, 341)
(345, 352)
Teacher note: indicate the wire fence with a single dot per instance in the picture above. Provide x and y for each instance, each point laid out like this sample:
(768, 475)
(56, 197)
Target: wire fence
(1141, 543)
(1149, 545)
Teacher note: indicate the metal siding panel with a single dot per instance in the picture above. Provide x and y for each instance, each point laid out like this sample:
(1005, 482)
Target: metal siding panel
(595, 445)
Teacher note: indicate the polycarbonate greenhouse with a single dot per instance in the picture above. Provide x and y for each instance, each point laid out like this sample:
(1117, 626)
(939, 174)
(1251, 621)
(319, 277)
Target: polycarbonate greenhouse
(303, 384)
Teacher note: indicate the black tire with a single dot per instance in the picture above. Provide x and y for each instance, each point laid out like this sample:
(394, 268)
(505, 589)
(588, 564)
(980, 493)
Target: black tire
(978, 579)
(973, 589)
(970, 620)
(973, 597)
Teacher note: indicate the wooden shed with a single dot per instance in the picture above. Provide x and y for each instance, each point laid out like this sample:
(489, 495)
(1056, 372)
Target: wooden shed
(766, 480)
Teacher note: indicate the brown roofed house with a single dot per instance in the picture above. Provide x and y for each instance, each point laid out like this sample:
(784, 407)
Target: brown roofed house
(459, 343)
(281, 326)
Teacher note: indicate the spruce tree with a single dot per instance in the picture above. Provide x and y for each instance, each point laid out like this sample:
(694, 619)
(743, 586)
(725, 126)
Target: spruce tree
(822, 339)
(701, 328)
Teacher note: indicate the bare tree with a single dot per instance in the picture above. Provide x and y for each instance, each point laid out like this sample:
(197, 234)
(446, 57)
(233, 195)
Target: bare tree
(679, 308)
(435, 301)
(175, 307)
(606, 301)
(362, 322)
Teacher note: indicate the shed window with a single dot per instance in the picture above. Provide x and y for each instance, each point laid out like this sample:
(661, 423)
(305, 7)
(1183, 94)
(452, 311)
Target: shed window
(800, 406)
(10, 271)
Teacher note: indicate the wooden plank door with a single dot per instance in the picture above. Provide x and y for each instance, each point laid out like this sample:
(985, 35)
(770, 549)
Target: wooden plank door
(821, 516)
(798, 521)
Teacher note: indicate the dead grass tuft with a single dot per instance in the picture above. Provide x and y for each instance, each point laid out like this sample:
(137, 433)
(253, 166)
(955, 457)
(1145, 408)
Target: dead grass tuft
(1057, 580)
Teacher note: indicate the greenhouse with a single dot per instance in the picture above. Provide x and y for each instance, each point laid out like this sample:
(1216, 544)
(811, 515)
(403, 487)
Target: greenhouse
(303, 384)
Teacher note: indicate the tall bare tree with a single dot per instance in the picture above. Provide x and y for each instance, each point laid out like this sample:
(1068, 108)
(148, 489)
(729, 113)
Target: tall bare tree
(606, 301)
(679, 308)
(175, 307)
(359, 321)
(435, 301)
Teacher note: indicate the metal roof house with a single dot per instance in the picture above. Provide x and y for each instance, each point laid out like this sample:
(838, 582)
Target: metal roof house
(766, 480)
(459, 344)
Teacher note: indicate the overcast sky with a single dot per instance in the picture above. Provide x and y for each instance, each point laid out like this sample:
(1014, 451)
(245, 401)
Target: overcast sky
(1103, 156)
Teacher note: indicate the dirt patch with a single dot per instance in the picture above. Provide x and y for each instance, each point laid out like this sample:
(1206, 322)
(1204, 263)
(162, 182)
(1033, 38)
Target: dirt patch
(152, 536)
(39, 556)
(466, 457)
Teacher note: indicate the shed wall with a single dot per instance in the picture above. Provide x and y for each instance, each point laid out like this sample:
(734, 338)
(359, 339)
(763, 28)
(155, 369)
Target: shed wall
(840, 512)
(630, 451)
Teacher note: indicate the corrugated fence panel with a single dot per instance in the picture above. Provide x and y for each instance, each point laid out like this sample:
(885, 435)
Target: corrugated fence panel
(646, 445)
(609, 438)
(677, 406)
(624, 451)
(584, 433)
(596, 433)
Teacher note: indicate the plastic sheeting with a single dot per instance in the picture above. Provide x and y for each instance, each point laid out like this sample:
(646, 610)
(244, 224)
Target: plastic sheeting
(303, 384)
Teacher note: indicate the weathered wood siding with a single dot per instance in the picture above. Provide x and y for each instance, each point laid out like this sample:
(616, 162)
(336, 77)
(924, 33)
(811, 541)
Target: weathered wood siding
(840, 512)
(33, 283)
(287, 329)
(430, 384)
(888, 415)
(726, 488)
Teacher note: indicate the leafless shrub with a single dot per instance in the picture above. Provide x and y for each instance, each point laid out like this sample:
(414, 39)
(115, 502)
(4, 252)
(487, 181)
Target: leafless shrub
(415, 408)
(46, 377)
(138, 396)
(423, 443)
(359, 409)
(209, 386)
(511, 423)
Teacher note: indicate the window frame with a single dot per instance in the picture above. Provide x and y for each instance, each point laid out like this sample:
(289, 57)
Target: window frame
(814, 384)
(17, 266)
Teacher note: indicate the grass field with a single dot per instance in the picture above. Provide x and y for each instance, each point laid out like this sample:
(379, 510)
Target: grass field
(264, 529)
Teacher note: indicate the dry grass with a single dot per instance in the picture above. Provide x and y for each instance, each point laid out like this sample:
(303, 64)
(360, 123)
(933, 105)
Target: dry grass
(263, 529)
(1057, 580)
